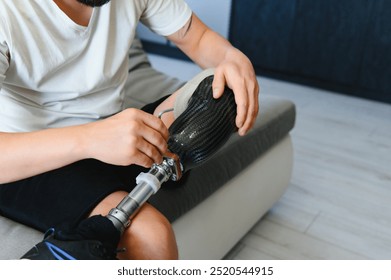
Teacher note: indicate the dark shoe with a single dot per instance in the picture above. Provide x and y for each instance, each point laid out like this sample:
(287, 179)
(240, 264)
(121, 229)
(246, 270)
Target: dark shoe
(95, 238)
(53, 249)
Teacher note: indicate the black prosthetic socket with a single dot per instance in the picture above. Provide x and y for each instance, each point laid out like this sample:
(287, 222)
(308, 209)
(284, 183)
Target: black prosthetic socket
(204, 126)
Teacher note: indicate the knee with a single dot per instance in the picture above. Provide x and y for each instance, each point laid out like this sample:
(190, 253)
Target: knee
(150, 236)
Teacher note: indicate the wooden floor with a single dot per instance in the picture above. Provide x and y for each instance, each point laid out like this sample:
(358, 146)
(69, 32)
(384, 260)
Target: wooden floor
(338, 205)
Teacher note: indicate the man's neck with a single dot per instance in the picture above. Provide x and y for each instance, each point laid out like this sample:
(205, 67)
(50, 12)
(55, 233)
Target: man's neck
(79, 13)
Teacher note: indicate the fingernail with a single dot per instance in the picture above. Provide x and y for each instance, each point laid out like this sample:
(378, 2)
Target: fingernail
(242, 132)
(215, 91)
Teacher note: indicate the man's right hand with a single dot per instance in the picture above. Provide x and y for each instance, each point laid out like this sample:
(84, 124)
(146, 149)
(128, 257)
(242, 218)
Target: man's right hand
(129, 137)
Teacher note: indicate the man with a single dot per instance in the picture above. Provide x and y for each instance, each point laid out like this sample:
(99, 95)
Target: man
(69, 146)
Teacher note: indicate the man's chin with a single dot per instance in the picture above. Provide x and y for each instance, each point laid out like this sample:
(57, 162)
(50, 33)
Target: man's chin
(94, 3)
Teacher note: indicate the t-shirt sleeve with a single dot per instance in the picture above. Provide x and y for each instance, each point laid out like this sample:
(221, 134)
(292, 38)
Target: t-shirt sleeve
(165, 17)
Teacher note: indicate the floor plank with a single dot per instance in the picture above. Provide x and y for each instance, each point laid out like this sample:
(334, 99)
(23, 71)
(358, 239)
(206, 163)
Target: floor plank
(304, 245)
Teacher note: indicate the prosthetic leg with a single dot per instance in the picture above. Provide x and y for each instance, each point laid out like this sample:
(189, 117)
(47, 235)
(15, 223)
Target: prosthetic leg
(202, 125)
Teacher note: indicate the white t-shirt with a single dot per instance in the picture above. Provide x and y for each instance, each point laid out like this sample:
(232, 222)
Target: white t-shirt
(55, 73)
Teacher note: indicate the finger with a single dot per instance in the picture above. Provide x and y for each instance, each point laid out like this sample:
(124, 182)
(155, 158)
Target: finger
(143, 160)
(150, 150)
(242, 102)
(253, 108)
(218, 84)
(155, 123)
(155, 139)
(148, 131)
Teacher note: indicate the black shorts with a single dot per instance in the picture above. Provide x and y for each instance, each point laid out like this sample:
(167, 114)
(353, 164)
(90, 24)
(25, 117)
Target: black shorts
(65, 196)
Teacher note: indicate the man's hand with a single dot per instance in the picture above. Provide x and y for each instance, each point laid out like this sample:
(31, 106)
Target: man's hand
(237, 73)
(129, 137)
(232, 68)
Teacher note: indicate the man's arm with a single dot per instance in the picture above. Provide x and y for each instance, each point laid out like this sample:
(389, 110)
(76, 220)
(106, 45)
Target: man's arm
(232, 68)
(130, 137)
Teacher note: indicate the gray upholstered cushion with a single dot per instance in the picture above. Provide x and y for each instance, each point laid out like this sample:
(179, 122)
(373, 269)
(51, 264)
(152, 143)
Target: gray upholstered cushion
(16, 239)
